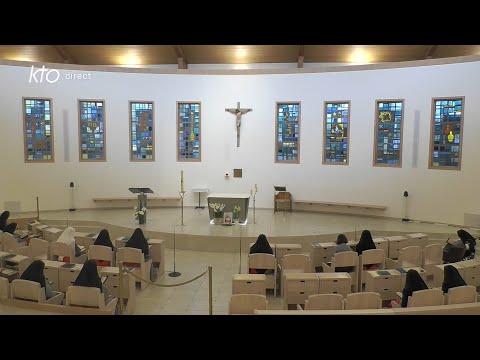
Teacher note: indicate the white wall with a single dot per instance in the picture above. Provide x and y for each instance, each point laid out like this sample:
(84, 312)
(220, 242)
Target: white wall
(434, 194)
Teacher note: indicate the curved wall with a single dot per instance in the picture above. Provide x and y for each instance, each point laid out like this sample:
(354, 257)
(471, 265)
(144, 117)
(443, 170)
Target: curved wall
(435, 195)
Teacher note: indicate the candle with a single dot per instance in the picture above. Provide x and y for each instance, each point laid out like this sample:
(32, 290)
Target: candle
(256, 189)
(251, 192)
(181, 181)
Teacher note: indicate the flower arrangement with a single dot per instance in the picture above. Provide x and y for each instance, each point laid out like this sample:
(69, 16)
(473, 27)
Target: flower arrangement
(137, 213)
(218, 209)
(236, 210)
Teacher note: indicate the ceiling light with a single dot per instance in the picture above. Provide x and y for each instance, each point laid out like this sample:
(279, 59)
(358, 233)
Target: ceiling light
(360, 56)
(241, 52)
(130, 58)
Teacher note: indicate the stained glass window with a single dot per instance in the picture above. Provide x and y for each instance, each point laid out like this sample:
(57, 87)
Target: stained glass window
(388, 133)
(188, 135)
(337, 123)
(92, 130)
(142, 132)
(447, 126)
(287, 148)
(38, 130)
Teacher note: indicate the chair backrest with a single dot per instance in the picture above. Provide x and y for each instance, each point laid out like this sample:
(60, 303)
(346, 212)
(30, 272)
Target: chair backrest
(346, 258)
(129, 255)
(28, 290)
(261, 261)
(61, 249)
(296, 261)
(325, 302)
(39, 248)
(428, 297)
(283, 195)
(363, 300)
(247, 303)
(373, 256)
(84, 296)
(99, 252)
(432, 254)
(4, 288)
(10, 244)
(410, 256)
(462, 295)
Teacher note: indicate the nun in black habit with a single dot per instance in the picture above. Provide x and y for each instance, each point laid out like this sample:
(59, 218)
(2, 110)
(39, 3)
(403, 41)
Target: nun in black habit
(10, 228)
(34, 272)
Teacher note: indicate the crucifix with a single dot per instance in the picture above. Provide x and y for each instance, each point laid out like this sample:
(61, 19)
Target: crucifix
(238, 112)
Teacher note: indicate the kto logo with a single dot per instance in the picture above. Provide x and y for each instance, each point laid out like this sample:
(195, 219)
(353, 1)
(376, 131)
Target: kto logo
(51, 75)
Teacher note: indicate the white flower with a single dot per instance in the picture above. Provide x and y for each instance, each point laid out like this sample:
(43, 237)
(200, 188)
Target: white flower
(217, 207)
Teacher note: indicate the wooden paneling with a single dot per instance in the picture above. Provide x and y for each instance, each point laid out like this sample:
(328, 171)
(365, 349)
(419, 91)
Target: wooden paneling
(376, 53)
(456, 50)
(241, 54)
(122, 54)
(40, 53)
(225, 54)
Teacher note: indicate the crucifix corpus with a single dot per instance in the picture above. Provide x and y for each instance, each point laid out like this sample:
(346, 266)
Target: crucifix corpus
(238, 112)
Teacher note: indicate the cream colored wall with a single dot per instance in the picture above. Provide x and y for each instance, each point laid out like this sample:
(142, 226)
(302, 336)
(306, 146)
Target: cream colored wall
(434, 195)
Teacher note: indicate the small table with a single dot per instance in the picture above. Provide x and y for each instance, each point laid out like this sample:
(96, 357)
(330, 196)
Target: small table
(200, 191)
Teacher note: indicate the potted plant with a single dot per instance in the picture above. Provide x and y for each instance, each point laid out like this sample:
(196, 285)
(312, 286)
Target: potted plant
(218, 212)
(236, 213)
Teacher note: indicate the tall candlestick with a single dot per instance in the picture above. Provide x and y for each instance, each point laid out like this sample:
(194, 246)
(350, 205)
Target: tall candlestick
(181, 181)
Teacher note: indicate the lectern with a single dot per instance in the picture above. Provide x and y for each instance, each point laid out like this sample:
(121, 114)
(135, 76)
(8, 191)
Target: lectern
(142, 198)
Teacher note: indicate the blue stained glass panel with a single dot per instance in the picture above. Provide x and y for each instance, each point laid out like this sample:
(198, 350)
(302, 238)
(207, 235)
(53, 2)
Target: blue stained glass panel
(142, 131)
(337, 121)
(447, 129)
(288, 132)
(92, 130)
(188, 131)
(389, 118)
(38, 130)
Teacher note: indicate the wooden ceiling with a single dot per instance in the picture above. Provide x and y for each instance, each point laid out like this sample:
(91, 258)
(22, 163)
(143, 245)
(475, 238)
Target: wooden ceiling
(228, 54)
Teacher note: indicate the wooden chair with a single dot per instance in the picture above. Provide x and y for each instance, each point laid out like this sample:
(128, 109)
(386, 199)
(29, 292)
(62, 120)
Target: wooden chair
(90, 297)
(268, 262)
(369, 257)
(461, 295)
(428, 297)
(103, 255)
(32, 291)
(432, 255)
(39, 249)
(363, 300)
(283, 197)
(298, 262)
(410, 256)
(345, 259)
(11, 245)
(66, 252)
(325, 302)
(133, 257)
(242, 304)
(4, 288)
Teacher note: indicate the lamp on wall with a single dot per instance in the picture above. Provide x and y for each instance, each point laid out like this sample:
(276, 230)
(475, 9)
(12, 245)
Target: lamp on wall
(72, 200)
(405, 206)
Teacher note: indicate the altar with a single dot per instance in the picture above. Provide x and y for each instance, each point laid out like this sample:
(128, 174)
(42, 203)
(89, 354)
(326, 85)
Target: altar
(230, 200)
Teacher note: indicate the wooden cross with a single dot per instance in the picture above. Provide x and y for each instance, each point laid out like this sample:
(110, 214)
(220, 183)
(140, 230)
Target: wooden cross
(238, 112)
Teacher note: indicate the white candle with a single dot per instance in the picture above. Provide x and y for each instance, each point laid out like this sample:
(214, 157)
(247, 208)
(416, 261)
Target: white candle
(181, 181)
(251, 192)
(256, 189)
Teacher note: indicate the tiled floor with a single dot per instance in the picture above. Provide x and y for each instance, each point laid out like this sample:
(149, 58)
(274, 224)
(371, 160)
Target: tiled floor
(192, 298)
